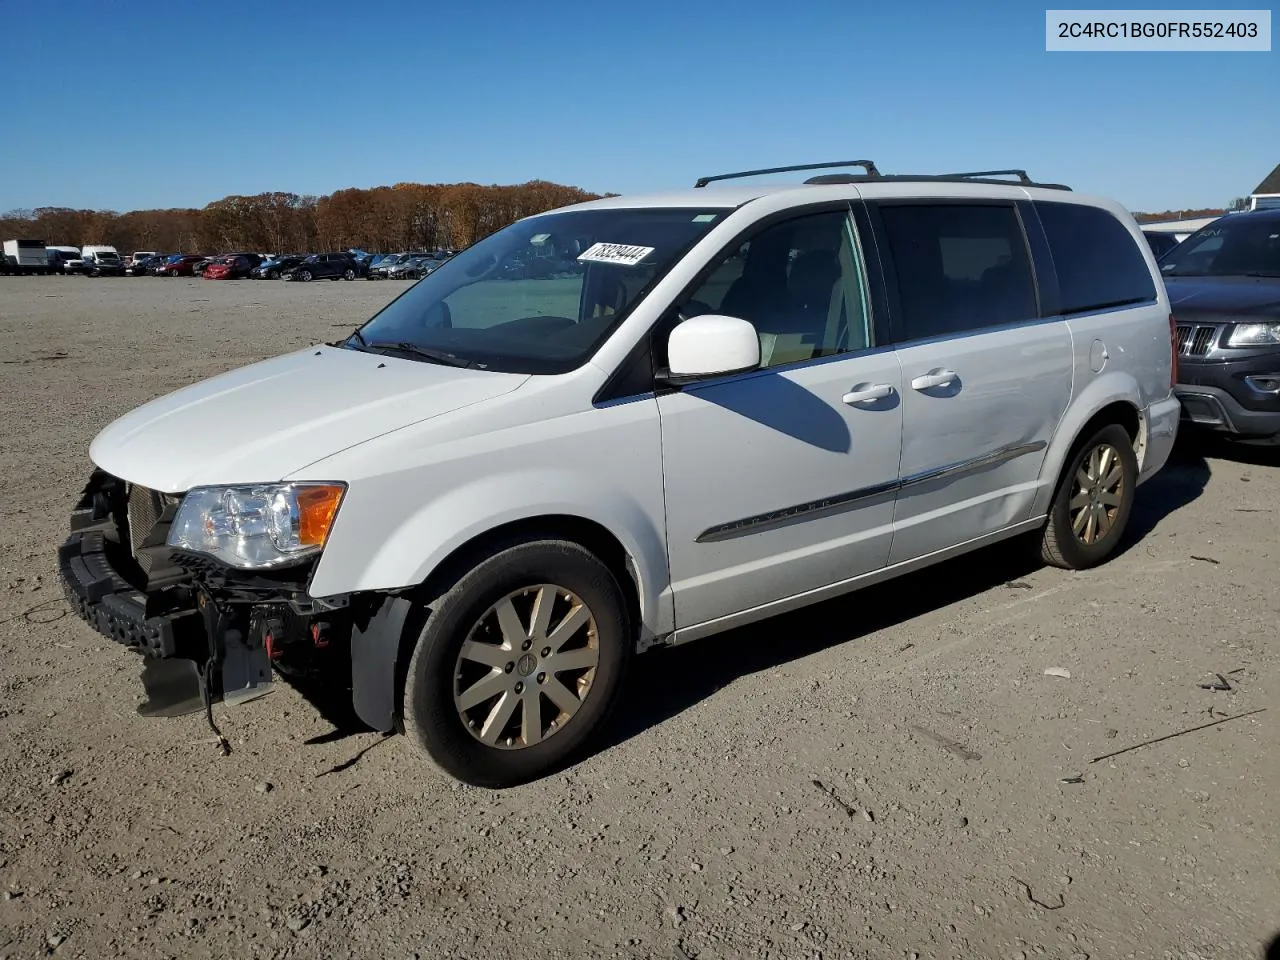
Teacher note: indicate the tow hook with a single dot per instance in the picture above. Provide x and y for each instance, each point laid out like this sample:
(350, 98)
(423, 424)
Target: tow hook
(321, 634)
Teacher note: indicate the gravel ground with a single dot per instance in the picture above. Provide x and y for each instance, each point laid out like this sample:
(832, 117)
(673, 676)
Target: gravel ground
(888, 775)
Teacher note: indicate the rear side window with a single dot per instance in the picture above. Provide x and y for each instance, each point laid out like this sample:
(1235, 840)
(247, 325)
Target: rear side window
(1098, 263)
(959, 267)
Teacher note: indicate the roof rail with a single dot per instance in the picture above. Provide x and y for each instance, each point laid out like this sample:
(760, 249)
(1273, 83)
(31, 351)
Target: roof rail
(867, 165)
(838, 178)
(1025, 180)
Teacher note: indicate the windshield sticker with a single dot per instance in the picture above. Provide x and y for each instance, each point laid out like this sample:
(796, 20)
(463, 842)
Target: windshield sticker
(622, 254)
(704, 218)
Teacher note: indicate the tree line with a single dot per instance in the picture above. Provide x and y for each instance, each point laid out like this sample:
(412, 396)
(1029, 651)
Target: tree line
(1188, 214)
(407, 216)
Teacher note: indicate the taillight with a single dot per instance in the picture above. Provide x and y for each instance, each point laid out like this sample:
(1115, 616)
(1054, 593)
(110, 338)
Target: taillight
(1173, 351)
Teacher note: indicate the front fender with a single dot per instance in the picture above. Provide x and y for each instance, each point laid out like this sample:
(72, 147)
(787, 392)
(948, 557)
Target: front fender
(1102, 391)
(360, 558)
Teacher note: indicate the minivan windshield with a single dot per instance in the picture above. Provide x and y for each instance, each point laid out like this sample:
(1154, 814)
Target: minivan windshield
(1236, 245)
(540, 295)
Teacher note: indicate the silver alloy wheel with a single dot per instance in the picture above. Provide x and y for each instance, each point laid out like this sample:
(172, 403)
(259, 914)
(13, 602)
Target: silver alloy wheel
(1097, 494)
(536, 649)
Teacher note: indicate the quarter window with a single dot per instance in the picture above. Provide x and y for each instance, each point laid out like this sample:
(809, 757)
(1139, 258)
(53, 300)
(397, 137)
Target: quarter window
(960, 267)
(800, 283)
(1097, 260)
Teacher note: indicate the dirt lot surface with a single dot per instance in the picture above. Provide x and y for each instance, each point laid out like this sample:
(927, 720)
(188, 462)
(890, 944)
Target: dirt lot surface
(888, 775)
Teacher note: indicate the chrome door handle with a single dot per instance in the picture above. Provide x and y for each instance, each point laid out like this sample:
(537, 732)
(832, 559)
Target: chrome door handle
(934, 378)
(876, 391)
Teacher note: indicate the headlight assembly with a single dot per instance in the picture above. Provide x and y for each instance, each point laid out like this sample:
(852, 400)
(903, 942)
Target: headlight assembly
(256, 526)
(1253, 334)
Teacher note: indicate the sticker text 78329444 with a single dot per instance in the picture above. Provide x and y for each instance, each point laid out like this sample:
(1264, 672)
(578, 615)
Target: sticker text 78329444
(622, 254)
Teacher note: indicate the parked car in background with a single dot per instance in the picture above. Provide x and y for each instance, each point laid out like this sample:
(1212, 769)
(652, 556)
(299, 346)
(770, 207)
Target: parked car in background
(98, 261)
(59, 257)
(490, 503)
(236, 266)
(200, 266)
(324, 266)
(1224, 289)
(272, 268)
(178, 265)
(1160, 243)
(414, 268)
(146, 266)
(380, 269)
(140, 259)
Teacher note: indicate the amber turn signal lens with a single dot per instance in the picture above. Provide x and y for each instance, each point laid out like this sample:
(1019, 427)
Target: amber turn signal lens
(317, 506)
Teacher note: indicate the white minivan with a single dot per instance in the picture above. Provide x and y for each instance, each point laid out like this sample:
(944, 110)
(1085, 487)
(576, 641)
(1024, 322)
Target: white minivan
(632, 423)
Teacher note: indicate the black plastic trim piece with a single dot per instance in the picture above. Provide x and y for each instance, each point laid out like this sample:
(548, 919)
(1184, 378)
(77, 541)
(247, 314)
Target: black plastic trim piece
(787, 515)
(375, 650)
(105, 601)
(974, 464)
(827, 506)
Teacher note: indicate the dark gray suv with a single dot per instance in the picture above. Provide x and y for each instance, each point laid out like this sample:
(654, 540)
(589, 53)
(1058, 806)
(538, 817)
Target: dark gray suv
(324, 266)
(1224, 289)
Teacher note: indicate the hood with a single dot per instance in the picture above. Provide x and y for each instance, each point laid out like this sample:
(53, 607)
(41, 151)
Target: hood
(266, 421)
(1224, 297)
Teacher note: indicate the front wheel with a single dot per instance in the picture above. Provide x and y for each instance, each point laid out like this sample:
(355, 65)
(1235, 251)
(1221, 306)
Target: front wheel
(273, 274)
(304, 276)
(518, 664)
(349, 274)
(1094, 500)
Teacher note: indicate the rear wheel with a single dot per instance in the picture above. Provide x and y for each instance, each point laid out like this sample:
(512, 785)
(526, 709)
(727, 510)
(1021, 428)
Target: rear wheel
(349, 274)
(1094, 500)
(518, 664)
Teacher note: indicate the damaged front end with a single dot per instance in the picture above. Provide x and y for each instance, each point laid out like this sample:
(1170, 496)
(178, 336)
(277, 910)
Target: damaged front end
(207, 631)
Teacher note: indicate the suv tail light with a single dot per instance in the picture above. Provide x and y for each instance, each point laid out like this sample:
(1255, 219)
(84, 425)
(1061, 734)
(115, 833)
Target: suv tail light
(1173, 351)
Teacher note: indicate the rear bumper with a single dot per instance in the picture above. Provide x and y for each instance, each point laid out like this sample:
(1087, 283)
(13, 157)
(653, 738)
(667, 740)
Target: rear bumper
(1162, 418)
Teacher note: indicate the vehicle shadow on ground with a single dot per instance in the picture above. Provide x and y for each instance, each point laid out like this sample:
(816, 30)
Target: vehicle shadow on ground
(665, 683)
(328, 691)
(1182, 480)
(1272, 950)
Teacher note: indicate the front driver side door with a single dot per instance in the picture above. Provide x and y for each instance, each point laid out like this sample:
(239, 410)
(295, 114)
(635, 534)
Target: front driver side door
(782, 480)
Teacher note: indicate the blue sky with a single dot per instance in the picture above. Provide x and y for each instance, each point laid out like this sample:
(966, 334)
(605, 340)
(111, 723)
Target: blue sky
(122, 107)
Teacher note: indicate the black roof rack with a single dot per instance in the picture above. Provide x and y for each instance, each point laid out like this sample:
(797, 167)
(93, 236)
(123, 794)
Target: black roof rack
(867, 165)
(981, 176)
(986, 174)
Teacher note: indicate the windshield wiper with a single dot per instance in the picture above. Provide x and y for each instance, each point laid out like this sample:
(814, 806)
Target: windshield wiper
(426, 353)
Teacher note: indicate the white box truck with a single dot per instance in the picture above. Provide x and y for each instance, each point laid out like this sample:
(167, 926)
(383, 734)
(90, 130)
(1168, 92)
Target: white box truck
(25, 256)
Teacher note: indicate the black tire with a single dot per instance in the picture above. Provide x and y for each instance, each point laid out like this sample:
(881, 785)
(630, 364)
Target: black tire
(304, 275)
(273, 274)
(430, 715)
(1060, 544)
(348, 274)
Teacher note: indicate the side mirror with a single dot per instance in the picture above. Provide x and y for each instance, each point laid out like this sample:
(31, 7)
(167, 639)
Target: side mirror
(710, 345)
